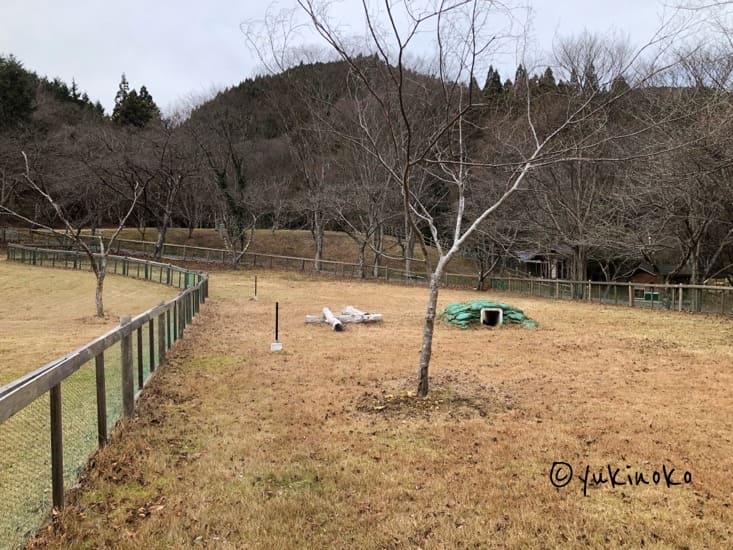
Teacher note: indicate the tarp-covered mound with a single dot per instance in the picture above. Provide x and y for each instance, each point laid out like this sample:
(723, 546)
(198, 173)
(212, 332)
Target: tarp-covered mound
(464, 314)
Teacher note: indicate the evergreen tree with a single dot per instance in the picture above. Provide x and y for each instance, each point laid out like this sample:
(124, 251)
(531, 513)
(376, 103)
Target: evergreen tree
(546, 82)
(17, 93)
(493, 87)
(520, 81)
(74, 91)
(133, 108)
(508, 86)
(120, 98)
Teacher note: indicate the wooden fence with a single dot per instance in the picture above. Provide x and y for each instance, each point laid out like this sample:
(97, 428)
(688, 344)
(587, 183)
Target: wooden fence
(691, 298)
(144, 341)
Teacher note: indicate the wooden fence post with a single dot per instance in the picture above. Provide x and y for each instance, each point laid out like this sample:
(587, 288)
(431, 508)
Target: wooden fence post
(140, 366)
(128, 379)
(151, 345)
(161, 338)
(680, 297)
(57, 448)
(168, 333)
(101, 400)
(175, 320)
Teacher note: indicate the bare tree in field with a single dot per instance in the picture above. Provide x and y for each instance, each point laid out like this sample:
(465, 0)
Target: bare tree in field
(72, 228)
(364, 203)
(429, 115)
(220, 132)
(695, 207)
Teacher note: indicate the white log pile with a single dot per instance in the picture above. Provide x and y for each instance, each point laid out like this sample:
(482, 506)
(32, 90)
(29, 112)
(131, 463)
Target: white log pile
(349, 314)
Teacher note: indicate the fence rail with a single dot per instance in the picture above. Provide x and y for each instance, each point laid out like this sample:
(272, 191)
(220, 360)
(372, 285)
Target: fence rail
(690, 298)
(40, 452)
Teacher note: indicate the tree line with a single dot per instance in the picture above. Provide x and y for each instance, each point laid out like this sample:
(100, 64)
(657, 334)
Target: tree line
(281, 151)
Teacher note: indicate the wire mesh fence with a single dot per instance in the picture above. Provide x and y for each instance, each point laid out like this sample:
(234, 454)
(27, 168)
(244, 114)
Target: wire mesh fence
(689, 298)
(53, 419)
(25, 472)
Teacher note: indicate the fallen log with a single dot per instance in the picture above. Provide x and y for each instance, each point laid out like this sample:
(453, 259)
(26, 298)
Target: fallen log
(366, 318)
(332, 320)
(349, 314)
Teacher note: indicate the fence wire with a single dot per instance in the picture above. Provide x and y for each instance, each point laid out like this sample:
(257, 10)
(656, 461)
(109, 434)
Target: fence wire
(26, 494)
(25, 472)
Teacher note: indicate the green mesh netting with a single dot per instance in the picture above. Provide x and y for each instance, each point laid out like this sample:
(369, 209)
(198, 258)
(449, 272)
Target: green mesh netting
(464, 314)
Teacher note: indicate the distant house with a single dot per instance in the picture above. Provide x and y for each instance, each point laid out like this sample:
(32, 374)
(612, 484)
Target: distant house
(646, 274)
(551, 264)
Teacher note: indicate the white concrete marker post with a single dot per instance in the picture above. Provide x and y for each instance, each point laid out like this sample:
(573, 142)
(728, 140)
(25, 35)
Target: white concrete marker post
(276, 345)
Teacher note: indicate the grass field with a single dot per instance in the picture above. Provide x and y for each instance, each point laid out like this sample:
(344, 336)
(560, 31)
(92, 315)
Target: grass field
(324, 444)
(45, 313)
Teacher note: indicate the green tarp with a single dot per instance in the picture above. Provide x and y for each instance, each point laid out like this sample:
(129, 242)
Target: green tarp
(464, 314)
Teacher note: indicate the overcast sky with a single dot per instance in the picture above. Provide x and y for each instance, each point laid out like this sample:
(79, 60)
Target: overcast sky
(181, 47)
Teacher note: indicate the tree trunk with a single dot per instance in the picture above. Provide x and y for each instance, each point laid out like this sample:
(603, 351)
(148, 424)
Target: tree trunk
(696, 293)
(378, 247)
(481, 274)
(362, 259)
(409, 248)
(101, 272)
(318, 238)
(580, 271)
(160, 241)
(427, 335)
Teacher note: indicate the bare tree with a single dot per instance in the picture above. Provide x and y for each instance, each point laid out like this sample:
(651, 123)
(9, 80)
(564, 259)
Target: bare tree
(220, 133)
(429, 119)
(428, 113)
(364, 202)
(72, 230)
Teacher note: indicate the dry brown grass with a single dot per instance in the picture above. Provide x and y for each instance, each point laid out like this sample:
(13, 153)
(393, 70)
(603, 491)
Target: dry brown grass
(46, 312)
(323, 444)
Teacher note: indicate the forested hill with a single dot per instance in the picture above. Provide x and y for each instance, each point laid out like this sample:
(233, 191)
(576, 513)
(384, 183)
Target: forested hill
(276, 104)
(30, 100)
(636, 174)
